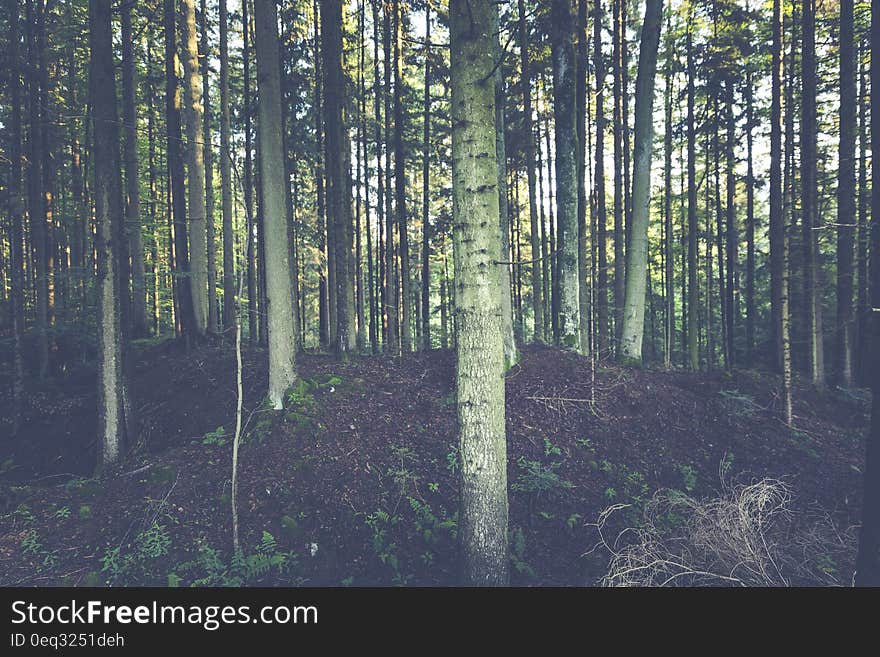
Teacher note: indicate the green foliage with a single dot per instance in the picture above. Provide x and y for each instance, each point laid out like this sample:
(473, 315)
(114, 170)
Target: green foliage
(405, 479)
(452, 460)
(550, 449)
(688, 477)
(61, 513)
(217, 437)
(140, 562)
(267, 563)
(518, 553)
(380, 522)
(85, 512)
(23, 514)
(31, 545)
(536, 478)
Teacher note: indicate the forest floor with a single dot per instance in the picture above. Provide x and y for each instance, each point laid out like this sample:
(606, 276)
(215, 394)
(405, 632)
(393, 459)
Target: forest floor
(357, 482)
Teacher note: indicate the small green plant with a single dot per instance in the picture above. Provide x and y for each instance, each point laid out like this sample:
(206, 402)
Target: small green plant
(401, 474)
(216, 437)
(452, 460)
(551, 450)
(536, 478)
(30, 544)
(85, 512)
(62, 513)
(586, 444)
(380, 522)
(518, 553)
(688, 477)
(267, 563)
(23, 514)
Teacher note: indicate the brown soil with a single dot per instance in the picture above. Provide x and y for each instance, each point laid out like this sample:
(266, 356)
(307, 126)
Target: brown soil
(358, 480)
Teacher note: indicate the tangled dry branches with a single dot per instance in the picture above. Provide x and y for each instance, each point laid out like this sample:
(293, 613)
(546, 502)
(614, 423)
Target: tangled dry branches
(748, 536)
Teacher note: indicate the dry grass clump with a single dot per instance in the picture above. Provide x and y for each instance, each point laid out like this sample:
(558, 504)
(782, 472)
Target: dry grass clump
(747, 536)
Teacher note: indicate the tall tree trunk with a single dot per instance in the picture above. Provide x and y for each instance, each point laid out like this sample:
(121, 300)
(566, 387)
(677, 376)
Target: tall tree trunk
(812, 274)
(511, 355)
(132, 183)
(480, 352)
(391, 288)
(668, 258)
(693, 291)
(400, 186)
(632, 333)
(846, 198)
(338, 199)
(602, 329)
(426, 171)
(778, 236)
(863, 292)
(380, 180)
(193, 118)
(176, 173)
(566, 171)
(16, 214)
(281, 308)
(208, 157)
(112, 406)
(36, 204)
(619, 189)
(732, 232)
(751, 310)
(323, 283)
(529, 136)
(226, 175)
(581, 124)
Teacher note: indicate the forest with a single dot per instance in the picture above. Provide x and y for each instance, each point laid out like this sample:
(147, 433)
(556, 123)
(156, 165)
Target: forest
(424, 293)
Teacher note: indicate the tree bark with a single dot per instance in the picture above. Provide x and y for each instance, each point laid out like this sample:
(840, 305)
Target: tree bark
(846, 198)
(480, 351)
(112, 392)
(226, 175)
(281, 308)
(566, 172)
(812, 295)
(132, 182)
(632, 333)
(16, 215)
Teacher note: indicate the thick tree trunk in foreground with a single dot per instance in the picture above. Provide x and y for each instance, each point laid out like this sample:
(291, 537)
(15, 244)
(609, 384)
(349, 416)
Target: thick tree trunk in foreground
(637, 252)
(108, 213)
(279, 285)
(566, 172)
(480, 351)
